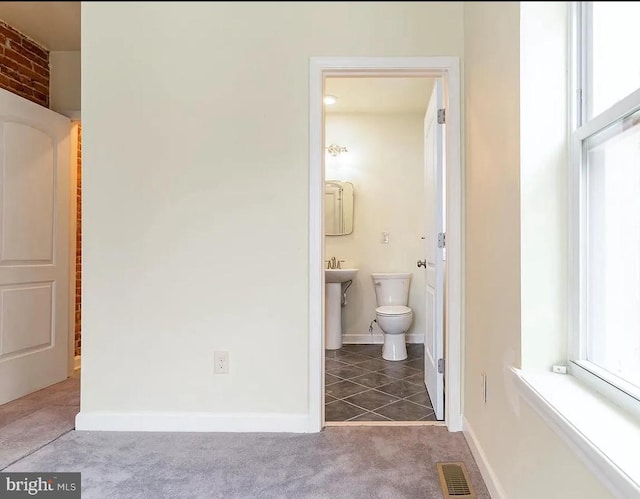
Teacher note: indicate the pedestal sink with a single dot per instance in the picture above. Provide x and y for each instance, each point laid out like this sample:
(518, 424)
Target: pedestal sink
(333, 279)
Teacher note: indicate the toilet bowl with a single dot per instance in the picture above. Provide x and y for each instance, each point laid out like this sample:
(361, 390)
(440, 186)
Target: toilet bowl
(392, 314)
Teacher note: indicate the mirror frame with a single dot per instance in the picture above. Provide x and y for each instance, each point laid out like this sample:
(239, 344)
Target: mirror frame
(343, 204)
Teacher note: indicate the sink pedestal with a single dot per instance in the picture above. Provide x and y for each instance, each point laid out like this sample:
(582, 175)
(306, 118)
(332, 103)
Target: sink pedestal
(333, 315)
(333, 280)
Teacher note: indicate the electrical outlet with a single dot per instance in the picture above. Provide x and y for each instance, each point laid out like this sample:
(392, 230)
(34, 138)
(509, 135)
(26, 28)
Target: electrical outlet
(384, 238)
(221, 362)
(483, 386)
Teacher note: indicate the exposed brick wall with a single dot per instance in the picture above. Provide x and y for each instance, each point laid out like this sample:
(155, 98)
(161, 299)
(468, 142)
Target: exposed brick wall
(24, 66)
(78, 314)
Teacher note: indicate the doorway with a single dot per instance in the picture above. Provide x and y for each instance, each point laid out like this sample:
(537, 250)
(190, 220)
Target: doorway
(374, 131)
(447, 69)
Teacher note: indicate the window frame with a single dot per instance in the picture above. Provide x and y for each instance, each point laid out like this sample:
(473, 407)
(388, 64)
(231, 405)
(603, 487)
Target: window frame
(611, 386)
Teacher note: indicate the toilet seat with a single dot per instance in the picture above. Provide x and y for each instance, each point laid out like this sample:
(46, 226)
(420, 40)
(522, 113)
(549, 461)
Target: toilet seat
(393, 310)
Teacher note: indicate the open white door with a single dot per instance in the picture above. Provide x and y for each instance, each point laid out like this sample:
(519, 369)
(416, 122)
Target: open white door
(34, 246)
(434, 246)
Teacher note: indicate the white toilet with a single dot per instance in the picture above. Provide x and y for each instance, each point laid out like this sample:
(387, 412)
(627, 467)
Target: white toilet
(392, 314)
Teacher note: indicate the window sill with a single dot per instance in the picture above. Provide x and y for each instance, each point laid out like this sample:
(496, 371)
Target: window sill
(605, 437)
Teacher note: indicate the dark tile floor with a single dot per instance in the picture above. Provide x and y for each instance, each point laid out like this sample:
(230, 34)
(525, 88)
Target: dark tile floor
(361, 386)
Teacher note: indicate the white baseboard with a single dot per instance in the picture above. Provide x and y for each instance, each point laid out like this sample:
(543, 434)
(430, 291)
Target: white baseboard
(191, 421)
(490, 479)
(375, 338)
(362, 339)
(76, 362)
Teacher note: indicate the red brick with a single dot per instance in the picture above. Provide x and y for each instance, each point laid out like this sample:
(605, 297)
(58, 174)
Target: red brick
(24, 66)
(35, 77)
(39, 87)
(20, 59)
(17, 86)
(79, 237)
(43, 61)
(37, 50)
(42, 70)
(41, 98)
(10, 73)
(7, 32)
(9, 63)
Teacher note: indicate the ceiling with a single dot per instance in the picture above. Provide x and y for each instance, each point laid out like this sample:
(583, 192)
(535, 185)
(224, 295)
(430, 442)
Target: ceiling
(379, 94)
(55, 25)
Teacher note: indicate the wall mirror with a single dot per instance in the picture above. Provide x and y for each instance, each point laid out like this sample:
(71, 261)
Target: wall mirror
(338, 208)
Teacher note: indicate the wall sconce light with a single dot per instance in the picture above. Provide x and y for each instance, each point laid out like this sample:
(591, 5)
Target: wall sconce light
(335, 149)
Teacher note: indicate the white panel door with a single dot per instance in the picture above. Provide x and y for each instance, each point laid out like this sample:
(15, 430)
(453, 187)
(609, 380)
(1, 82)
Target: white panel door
(34, 246)
(434, 220)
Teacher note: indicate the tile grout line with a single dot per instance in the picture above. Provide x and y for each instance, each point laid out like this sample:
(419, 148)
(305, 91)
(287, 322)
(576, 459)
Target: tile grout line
(393, 380)
(344, 399)
(417, 371)
(371, 412)
(383, 406)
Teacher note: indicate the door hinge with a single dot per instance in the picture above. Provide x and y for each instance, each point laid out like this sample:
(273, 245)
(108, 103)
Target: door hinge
(441, 240)
(440, 366)
(441, 116)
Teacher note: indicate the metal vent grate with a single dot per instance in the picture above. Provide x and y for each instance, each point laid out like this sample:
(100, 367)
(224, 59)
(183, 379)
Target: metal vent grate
(454, 481)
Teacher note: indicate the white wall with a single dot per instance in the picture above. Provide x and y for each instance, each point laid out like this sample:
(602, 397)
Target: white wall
(385, 165)
(543, 182)
(64, 73)
(195, 123)
(526, 459)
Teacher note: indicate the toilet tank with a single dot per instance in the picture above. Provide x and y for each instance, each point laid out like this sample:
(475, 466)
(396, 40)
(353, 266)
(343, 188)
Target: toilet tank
(391, 288)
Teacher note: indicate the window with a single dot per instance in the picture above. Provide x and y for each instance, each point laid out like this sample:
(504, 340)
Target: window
(605, 209)
(611, 60)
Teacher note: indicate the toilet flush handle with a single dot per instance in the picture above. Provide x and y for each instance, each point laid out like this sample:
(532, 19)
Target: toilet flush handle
(422, 263)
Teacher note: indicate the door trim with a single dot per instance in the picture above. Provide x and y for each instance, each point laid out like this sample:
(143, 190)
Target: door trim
(449, 69)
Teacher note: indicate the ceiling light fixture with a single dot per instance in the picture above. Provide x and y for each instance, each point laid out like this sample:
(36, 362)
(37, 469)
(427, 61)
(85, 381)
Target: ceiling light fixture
(330, 99)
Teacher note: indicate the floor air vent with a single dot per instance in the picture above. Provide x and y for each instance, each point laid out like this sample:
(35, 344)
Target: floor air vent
(454, 481)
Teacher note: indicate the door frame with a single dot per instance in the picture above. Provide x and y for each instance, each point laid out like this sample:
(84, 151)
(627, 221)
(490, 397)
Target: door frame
(448, 68)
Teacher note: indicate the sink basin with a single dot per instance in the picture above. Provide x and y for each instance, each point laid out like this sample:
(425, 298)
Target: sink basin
(339, 275)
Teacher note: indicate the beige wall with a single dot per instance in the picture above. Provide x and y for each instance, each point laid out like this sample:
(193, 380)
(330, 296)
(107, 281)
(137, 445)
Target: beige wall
(65, 81)
(385, 165)
(196, 209)
(527, 459)
(196, 194)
